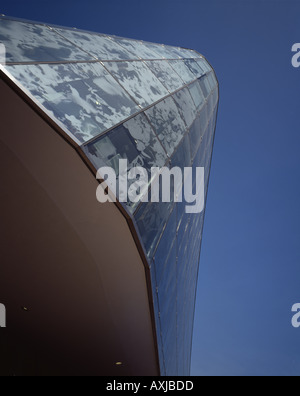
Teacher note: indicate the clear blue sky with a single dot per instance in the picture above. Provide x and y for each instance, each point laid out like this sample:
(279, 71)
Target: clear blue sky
(250, 264)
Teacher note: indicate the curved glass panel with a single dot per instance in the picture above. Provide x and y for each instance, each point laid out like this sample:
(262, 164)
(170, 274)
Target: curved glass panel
(196, 136)
(166, 75)
(204, 65)
(101, 47)
(133, 141)
(182, 155)
(83, 97)
(204, 117)
(215, 95)
(194, 67)
(167, 249)
(138, 81)
(167, 123)
(210, 105)
(212, 80)
(27, 42)
(187, 53)
(163, 51)
(197, 95)
(138, 48)
(183, 70)
(186, 106)
(152, 106)
(151, 219)
(181, 53)
(204, 84)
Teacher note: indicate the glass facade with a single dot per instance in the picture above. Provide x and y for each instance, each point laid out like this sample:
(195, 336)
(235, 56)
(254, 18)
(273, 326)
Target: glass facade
(151, 104)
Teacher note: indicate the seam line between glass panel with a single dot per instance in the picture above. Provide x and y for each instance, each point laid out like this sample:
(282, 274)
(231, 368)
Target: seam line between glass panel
(139, 112)
(184, 136)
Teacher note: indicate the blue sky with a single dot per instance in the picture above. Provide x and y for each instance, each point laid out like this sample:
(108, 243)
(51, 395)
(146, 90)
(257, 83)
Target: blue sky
(250, 264)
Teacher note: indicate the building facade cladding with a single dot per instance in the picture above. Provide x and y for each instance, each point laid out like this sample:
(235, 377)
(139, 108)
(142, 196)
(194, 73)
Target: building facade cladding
(151, 104)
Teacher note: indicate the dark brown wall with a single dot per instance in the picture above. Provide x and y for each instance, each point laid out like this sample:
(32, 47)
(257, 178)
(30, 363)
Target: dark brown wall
(68, 259)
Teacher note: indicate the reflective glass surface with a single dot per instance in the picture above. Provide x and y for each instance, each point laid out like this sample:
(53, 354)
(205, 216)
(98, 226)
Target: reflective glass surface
(149, 104)
(164, 51)
(212, 80)
(183, 70)
(167, 249)
(139, 81)
(83, 97)
(196, 136)
(188, 53)
(179, 294)
(197, 94)
(138, 49)
(151, 219)
(204, 65)
(204, 84)
(204, 117)
(210, 104)
(181, 53)
(194, 67)
(182, 155)
(27, 42)
(167, 123)
(166, 75)
(134, 141)
(100, 46)
(186, 106)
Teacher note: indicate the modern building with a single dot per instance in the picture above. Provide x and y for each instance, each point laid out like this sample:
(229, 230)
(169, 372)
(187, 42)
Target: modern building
(90, 288)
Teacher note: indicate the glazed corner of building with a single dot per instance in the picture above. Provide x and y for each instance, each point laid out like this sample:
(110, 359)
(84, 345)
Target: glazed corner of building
(118, 280)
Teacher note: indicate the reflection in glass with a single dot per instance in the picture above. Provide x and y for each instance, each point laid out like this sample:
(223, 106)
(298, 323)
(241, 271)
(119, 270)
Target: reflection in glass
(182, 53)
(167, 123)
(138, 81)
(28, 42)
(204, 86)
(100, 46)
(166, 252)
(203, 118)
(183, 223)
(210, 105)
(212, 80)
(215, 95)
(100, 105)
(133, 141)
(194, 68)
(204, 65)
(196, 136)
(151, 219)
(183, 70)
(166, 75)
(186, 106)
(197, 94)
(182, 155)
(187, 53)
(83, 97)
(138, 48)
(164, 51)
